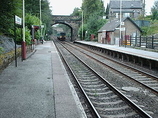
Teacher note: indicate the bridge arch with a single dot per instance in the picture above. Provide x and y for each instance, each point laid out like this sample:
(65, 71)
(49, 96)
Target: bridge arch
(73, 22)
(66, 25)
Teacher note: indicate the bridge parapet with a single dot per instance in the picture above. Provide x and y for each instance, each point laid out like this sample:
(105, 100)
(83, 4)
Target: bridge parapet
(66, 18)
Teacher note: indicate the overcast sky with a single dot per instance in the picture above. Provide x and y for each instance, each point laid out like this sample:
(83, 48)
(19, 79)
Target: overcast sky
(66, 7)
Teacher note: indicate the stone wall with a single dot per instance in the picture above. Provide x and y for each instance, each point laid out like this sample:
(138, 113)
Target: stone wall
(7, 55)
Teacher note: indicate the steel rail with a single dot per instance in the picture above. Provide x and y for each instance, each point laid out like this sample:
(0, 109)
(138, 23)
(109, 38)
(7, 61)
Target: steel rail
(127, 100)
(148, 74)
(122, 64)
(94, 111)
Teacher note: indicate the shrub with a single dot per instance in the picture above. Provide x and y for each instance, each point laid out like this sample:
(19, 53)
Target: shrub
(1, 50)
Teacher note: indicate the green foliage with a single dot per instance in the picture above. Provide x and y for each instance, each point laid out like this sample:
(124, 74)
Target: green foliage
(37, 34)
(77, 12)
(1, 50)
(10, 8)
(33, 8)
(107, 11)
(90, 7)
(84, 31)
(152, 29)
(155, 15)
(145, 30)
(7, 11)
(93, 12)
(19, 36)
(27, 36)
(154, 11)
(33, 14)
(149, 17)
(95, 22)
(31, 20)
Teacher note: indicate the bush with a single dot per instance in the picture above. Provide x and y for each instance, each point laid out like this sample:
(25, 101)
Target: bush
(19, 37)
(1, 50)
(152, 29)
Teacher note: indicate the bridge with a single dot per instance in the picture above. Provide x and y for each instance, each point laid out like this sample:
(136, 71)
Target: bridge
(73, 22)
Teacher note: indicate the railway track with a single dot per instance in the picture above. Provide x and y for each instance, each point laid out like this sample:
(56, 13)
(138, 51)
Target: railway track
(105, 100)
(144, 78)
(146, 92)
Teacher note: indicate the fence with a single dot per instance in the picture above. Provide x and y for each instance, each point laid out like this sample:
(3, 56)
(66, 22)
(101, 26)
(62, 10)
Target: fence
(141, 41)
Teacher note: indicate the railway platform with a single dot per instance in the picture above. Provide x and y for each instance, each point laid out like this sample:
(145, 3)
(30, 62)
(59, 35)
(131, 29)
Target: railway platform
(38, 87)
(147, 58)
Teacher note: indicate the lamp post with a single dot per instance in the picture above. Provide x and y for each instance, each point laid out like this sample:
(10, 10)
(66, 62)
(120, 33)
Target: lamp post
(82, 24)
(120, 20)
(40, 20)
(23, 42)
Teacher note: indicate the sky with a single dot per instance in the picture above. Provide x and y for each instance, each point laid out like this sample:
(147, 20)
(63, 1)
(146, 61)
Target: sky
(66, 7)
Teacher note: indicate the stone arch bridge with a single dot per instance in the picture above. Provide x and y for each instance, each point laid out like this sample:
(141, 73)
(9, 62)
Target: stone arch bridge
(73, 22)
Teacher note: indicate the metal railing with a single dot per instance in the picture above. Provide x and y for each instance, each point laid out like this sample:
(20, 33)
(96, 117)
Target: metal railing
(141, 41)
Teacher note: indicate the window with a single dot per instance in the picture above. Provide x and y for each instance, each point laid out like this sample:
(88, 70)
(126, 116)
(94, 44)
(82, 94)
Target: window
(116, 15)
(126, 14)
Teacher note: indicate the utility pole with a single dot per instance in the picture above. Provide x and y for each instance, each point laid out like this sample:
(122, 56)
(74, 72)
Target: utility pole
(120, 20)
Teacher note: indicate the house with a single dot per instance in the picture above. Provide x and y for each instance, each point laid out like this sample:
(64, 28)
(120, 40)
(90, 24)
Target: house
(110, 33)
(129, 8)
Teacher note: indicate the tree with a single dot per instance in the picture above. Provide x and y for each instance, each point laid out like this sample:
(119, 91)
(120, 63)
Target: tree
(18, 35)
(154, 11)
(76, 12)
(93, 11)
(95, 22)
(33, 7)
(92, 6)
(107, 11)
(8, 9)
(31, 20)
(84, 31)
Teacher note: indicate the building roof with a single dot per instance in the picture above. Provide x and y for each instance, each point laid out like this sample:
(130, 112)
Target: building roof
(112, 25)
(126, 4)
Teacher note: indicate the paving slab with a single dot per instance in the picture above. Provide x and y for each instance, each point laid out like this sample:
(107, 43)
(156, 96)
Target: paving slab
(136, 52)
(37, 89)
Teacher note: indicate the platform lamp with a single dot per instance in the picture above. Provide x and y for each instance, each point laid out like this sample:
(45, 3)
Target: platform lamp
(23, 42)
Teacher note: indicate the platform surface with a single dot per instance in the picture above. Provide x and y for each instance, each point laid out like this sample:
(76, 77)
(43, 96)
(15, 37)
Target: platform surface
(127, 50)
(38, 87)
